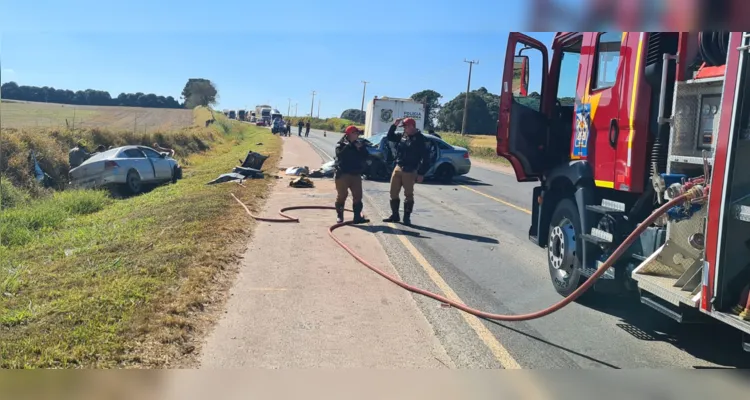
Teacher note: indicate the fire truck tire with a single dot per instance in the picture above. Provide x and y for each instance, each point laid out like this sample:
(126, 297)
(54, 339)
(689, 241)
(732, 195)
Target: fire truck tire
(564, 247)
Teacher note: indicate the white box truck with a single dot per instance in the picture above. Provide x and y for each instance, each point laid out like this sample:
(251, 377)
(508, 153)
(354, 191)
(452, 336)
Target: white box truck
(381, 112)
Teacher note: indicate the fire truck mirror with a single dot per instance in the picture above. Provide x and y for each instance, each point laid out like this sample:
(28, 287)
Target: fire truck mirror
(520, 76)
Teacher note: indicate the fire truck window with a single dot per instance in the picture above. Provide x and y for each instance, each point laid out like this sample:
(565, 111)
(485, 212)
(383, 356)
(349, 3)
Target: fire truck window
(566, 88)
(607, 60)
(527, 74)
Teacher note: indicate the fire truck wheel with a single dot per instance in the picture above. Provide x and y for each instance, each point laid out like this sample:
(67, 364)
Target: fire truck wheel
(564, 246)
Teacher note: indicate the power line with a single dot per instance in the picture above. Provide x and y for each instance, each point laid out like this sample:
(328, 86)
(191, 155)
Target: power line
(466, 99)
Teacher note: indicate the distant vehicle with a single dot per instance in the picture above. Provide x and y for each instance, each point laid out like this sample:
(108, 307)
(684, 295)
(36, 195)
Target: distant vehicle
(232, 115)
(276, 114)
(241, 115)
(278, 126)
(447, 161)
(381, 112)
(260, 122)
(264, 112)
(128, 167)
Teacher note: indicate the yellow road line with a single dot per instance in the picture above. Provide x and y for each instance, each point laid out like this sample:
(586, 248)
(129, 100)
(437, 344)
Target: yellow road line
(498, 350)
(498, 200)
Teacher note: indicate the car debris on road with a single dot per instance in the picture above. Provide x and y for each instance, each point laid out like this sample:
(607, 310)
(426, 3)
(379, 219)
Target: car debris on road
(249, 169)
(301, 182)
(298, 171)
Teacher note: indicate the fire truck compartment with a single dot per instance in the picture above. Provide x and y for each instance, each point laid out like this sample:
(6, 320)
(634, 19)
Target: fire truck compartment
(694, 121)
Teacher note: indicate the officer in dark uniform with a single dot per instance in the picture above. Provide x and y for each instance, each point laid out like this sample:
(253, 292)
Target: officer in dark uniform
(351, 154)
(412, 163)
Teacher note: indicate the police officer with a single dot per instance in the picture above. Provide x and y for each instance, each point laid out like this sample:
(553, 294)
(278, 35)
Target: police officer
(351, 154)
(412, 163)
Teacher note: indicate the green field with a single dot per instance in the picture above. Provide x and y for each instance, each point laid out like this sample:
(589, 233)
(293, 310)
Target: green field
(87, 280)
(17, 114)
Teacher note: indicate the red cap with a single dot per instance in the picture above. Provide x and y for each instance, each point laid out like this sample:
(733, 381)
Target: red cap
(352, 129)
(409, 121)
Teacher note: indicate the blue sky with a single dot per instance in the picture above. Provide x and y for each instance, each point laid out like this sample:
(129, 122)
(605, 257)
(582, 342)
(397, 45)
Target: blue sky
(254, 59)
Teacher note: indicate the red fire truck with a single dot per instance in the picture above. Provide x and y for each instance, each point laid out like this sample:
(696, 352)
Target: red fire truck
(625, 122)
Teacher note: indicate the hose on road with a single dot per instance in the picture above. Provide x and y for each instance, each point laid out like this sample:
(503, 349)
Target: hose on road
(690, 195)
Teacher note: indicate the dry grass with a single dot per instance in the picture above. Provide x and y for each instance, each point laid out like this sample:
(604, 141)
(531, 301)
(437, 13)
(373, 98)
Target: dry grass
(98, 282)
(483, 147)
(135, 119)
(488, 141)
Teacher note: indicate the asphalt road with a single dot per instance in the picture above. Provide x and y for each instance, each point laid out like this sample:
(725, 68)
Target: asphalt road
(474, 234)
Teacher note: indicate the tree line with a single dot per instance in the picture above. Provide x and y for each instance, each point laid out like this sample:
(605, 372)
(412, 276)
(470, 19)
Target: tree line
(484, 109)
(196, 92)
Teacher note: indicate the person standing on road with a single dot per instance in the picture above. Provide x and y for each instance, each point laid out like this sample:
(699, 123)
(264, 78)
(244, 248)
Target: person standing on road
(412, 163)
(300, 125)
(307, 128)
(351, 154)
(288, 127)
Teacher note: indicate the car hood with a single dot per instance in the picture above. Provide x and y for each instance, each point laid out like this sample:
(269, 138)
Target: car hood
(460, 148)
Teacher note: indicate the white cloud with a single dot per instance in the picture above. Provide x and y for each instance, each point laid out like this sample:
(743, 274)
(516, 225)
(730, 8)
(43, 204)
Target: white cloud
(8, 71)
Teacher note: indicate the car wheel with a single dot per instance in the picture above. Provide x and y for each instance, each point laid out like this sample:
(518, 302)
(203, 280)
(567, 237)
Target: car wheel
(133, 183)
(175, 174)
(445, 173)
(564, 248)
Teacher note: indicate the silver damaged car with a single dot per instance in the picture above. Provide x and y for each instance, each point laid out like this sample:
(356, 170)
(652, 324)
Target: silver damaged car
(127, 167)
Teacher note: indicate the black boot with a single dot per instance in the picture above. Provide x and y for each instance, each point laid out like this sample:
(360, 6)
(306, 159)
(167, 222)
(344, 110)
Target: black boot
(394, 212)
(339, 212)
(408, 208)
(358, 218)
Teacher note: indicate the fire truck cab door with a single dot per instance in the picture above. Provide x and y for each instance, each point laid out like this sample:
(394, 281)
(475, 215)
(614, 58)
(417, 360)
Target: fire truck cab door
(523, 121)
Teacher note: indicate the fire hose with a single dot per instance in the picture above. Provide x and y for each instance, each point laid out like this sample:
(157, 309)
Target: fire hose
(693, 194)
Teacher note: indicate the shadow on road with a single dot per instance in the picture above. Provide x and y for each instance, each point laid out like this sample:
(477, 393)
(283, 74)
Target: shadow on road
(402, 229)
(713, 342)
(387, 229)
(557, 346)
(457, 235)
(458, 181)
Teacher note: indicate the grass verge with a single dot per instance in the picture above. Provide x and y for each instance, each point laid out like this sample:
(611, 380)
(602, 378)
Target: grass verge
(88, 281)
(51, 145)
(482, 147)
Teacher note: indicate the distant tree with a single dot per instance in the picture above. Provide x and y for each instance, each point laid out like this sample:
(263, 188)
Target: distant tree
(431, 101)
(353, 114)
(90, 97)
(199, 92)
(479, 120)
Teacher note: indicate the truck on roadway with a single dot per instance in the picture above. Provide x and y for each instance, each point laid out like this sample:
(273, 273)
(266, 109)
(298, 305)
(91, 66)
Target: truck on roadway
(655, 115)
(241, 115)
(381, 112)
(263, 112)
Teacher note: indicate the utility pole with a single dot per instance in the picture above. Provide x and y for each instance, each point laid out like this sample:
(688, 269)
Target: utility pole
(362, 108)
(466, 100)
(289, 108)
(318, 108)
(312, 104)
(295, 109)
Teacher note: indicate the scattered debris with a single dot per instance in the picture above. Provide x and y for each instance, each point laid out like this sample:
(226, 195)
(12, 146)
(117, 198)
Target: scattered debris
(227, 178)
(248, 172)
(250, 169)
(259, 144)
(298, 171)
(301, 182)
(325, 171)
(254, 160)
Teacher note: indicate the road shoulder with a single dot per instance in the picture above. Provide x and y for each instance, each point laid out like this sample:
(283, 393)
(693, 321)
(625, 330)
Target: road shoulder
(301, 301)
